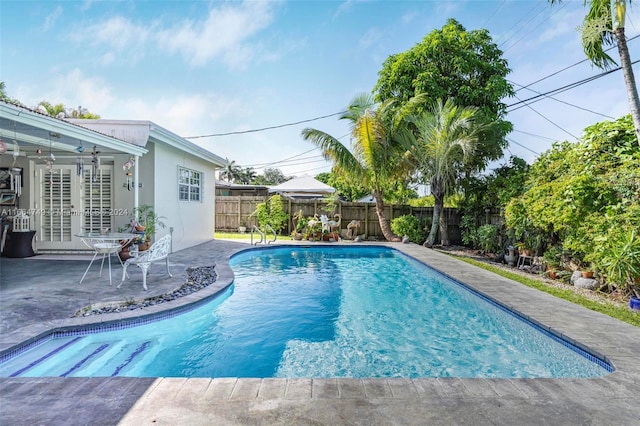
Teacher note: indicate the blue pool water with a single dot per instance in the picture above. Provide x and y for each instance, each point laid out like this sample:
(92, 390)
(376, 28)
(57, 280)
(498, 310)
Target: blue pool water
(321, 312)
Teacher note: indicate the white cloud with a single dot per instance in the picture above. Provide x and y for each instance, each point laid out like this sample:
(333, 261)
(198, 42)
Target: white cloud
(224, 34)
(118, 33)
(50, 19)
(370, 38)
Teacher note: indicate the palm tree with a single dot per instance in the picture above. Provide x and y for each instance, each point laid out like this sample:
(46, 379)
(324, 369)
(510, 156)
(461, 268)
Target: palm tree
(604, 25)
(231, 172)
(247, 176)
(376, 159)
(442, 140)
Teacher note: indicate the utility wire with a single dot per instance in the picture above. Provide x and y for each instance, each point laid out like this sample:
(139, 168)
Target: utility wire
(265, 128)
(535, 135)
(568, 103)
(517, 23)
(282, 161)
(494, 13)
(563, 88)
(539, 23)
(549, 120)
(570, 66)
(523, 146)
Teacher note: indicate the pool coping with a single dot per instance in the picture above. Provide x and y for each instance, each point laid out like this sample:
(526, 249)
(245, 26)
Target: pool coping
(601, 335)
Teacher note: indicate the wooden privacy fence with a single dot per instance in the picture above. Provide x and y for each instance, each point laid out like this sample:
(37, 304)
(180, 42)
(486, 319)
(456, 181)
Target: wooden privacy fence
(232, 212)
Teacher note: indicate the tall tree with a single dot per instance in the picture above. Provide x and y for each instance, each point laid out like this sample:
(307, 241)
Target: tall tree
(464, 66)
(444, 138)
(604, 26)
(270, 177)
(231, 172)
(376, 159)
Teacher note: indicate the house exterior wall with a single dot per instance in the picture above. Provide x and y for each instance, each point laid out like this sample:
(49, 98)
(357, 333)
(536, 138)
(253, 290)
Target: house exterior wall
(192, 222)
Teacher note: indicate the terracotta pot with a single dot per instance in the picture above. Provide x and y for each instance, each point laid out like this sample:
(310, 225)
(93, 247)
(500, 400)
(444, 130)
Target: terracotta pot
(587, 274)
(140, 228)
(124, 253)
(143, 246)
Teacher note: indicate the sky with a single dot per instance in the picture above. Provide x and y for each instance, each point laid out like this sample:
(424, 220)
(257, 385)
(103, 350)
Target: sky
(200, 68)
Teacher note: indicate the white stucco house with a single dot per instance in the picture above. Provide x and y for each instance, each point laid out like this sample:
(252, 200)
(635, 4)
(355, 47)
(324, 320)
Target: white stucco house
(82, 175)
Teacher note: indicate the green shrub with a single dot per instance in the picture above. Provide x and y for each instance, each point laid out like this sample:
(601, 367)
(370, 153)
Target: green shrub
(272, 213)
(489, 239)
(469, 232)
(408, 225)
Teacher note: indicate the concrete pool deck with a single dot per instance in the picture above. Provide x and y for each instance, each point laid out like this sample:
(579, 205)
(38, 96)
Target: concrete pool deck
(37, 295)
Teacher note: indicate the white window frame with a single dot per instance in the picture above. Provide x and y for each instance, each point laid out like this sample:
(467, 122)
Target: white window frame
(186, 185)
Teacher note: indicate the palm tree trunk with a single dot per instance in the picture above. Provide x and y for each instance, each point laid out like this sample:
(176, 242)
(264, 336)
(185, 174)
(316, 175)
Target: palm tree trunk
(384, 224)
(437, 190)
(629, 79)
(437, 208)
(444, 233)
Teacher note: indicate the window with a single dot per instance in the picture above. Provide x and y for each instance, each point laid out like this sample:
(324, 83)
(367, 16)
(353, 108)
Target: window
(189, 185)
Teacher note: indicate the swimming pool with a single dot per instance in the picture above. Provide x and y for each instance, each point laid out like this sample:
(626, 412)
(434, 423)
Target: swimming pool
(321, 312)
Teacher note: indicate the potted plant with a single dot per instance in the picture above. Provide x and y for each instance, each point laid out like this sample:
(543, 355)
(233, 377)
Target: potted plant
(146, 220)
(553, 260)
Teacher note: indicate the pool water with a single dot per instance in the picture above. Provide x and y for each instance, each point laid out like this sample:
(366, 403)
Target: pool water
(321, 312)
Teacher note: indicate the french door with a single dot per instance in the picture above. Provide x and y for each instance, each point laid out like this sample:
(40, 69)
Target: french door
(68, 203)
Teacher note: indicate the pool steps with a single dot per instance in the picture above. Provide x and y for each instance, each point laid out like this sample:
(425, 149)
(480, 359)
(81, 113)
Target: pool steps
(100, 358)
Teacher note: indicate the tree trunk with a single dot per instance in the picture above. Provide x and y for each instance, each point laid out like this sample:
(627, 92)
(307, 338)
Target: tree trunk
(629, 80)
(434, 225)
(437, 190)
(444, 233)
(384, 224)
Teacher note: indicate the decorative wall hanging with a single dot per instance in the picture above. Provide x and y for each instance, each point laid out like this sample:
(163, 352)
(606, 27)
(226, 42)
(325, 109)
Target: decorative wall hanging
(95, 164)
(79, 166)
(16, 180)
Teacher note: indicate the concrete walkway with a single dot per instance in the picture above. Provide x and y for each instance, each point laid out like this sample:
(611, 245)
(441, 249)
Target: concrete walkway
(37, 295)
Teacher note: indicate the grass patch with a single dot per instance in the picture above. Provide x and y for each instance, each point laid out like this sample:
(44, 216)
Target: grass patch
(617, 312)
(233, 235)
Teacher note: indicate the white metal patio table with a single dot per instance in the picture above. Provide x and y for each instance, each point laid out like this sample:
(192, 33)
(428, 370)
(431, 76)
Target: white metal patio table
(105, 244)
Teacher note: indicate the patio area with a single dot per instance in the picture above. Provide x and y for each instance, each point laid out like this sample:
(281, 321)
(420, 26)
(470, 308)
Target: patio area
(37, 294)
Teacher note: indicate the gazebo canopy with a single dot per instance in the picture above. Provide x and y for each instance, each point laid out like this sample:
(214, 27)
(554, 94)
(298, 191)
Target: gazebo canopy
(303, 186)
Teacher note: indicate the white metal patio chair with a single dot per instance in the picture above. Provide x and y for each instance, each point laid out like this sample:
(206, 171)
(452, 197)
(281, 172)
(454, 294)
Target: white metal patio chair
(157, 252)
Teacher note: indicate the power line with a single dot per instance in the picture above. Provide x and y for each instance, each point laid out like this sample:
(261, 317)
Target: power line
(563, 88)
(549, 120)
(533, 134)
(570, 66)
(536, 5)
(282, 161)
(494, 13)
(265, 128)
(568, 103)
(532, 29)
(523, 146)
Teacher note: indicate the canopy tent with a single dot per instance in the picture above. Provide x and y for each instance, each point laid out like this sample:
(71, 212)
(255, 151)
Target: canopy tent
(303, 186)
